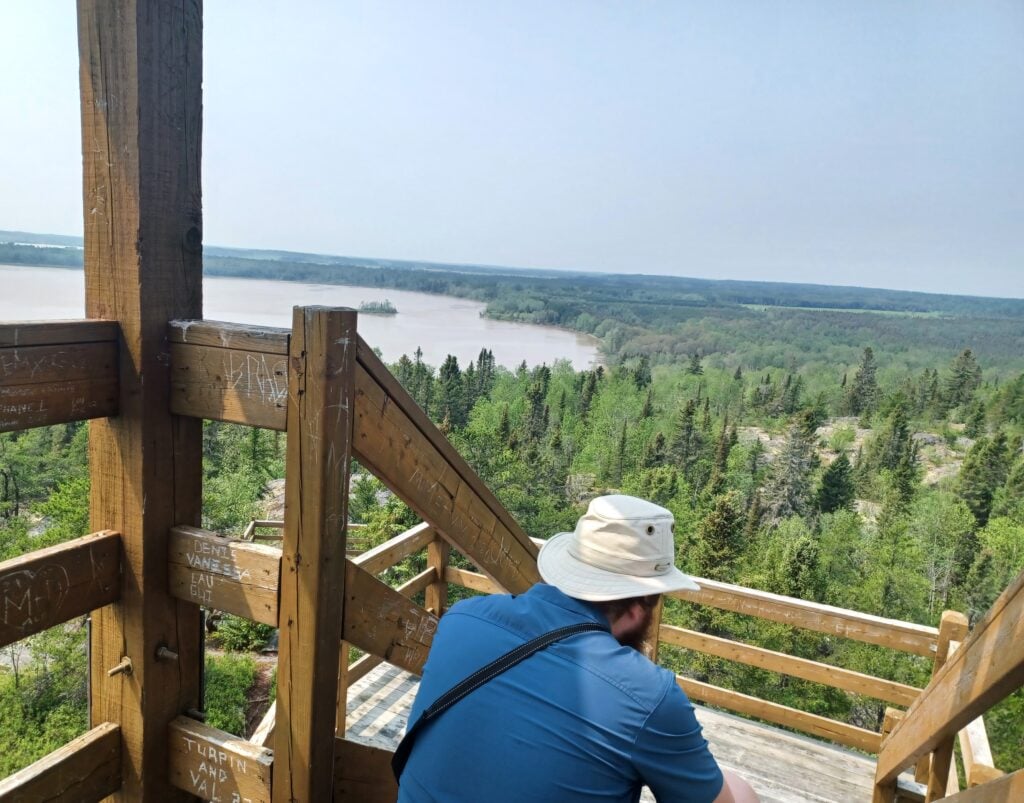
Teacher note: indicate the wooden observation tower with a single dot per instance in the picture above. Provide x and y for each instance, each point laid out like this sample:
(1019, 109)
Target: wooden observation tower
(146, 369)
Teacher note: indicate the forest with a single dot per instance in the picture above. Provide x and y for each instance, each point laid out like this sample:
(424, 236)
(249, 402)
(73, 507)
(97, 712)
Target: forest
(869, 460)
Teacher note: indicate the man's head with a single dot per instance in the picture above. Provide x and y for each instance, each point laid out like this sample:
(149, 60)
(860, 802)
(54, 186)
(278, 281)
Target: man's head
(622, 549)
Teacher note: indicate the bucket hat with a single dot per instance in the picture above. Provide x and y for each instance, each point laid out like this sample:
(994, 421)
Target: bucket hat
(622, 547)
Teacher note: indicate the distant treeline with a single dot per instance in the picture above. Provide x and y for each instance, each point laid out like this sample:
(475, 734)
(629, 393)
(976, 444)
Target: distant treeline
(757, 324)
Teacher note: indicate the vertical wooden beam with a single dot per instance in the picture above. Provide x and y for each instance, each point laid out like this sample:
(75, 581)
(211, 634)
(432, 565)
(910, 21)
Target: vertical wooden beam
(141, 76)
(953, 628)
(650, 646)
(321, 395)
(435, 598)
(341, 713)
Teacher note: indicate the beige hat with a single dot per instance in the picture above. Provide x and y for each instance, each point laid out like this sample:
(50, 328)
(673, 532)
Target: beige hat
(621, 547)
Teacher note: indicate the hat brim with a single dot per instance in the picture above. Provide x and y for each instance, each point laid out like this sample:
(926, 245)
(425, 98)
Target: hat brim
(581, 580)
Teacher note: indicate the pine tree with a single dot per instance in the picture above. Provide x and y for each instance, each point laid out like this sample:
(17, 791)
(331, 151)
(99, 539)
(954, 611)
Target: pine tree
(984, 471)
(964, 378)
(974, 426)
(837, 491)
(718, 469)
(738, 375)
(504, 426)
(648, 408)
(719, 539)
(642, 372)
(695, 368)
(862, 396)
(788, 490)
(686, 441)
(655, 455)
(587, 393)
(450, 400)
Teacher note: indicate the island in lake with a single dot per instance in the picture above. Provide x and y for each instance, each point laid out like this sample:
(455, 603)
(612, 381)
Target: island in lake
(384, 307)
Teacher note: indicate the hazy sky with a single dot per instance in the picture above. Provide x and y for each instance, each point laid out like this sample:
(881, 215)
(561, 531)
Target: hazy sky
(855, 142)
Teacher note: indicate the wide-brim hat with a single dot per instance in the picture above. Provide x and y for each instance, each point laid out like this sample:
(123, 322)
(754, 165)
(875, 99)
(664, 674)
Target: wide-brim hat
(622, 547)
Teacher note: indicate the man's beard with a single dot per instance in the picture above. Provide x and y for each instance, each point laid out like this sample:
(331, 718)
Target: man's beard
(639, 635)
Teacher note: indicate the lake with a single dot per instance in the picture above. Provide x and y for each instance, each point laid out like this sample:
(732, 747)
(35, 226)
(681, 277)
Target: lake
(440, 325)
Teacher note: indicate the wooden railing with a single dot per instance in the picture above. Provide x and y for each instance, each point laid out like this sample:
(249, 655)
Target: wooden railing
(979, 673)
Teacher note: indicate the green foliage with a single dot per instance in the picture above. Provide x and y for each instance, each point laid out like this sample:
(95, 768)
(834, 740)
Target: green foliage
(836, 491)
(43, 695)
(243, 635)
(228, 680)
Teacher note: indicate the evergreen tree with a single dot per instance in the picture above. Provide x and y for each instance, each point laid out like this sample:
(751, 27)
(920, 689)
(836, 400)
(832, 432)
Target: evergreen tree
(655, 455)
(718, 469)
(974, 425)
(587, 393)
(686, 441)
(964, 378)
(788, 490)
(695, 368)
(862, 396)
(504, 426)
(621, 454)
(984, 471)
(837, 491)
(648, 408)
(738, 375)
(719, 543)
(450, 400)
(642, 372)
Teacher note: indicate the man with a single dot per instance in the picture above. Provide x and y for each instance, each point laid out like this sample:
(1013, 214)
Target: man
(587, 718)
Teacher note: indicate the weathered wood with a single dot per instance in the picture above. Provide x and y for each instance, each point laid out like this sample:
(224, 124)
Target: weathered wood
(86, 768)
(50, 586)
(653, 640)
(781, 663)
(223, 573)
(396, 441)
(892, 633)
(381, 621)
(313, 566)
(141, 91)
(359, 668)
(839, 732)
(57, 383)
(51, 333)
(988, 666)
(396, 549)
(54, 372)
(362, 774)
(214, 765)
(977, 754)
(225, 335)
(474, 581)
(263, 736)
(1001, 790)
(436, 599)
(228, 384)
(935, 770)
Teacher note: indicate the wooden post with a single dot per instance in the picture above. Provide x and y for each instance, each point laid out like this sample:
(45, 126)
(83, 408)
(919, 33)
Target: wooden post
(934, 770)
(321, 395)
(435, 598)
(141, 78)
(654, 634)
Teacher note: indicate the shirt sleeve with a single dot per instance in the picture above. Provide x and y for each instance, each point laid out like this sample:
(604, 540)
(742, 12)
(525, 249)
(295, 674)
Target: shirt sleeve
(672, 755)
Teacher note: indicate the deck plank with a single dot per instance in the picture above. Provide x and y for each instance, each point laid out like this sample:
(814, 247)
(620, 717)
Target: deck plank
(782, 767)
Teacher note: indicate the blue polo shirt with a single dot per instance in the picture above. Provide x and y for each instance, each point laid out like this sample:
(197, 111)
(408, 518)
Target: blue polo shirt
(585, 719)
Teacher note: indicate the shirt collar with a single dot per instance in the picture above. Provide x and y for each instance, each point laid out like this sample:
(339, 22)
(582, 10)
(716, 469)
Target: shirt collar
(553, 596)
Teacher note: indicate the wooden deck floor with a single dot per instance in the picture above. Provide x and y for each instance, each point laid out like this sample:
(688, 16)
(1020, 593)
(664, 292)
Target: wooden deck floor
(783, 767)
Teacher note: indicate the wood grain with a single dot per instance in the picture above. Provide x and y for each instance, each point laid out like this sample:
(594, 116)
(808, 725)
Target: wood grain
(363, 773)
(838, 732)
(988, 666)
(141, 102)
(86, 768)
(214, 765)
(55, 383)
(893, 633)
(214, 377)
(51, 333)
(239, 577)
(1000, 790)
(781, 663)
(313, 566)
(50, 586)
(396, 549)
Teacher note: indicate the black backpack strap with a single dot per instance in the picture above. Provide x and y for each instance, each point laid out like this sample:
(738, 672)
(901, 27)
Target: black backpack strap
(478, 679)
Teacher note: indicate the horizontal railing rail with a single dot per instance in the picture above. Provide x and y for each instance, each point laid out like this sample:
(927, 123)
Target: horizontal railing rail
(57, 372)
(988, 666)
(896, 634)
